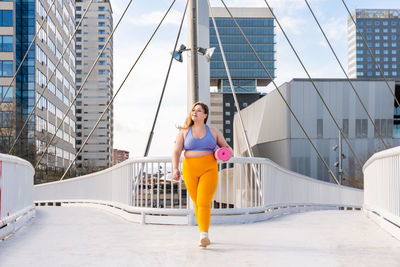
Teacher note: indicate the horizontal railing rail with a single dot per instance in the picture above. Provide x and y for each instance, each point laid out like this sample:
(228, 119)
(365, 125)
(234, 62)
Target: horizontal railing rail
(16, 193)
(382, 189)
(144, 189)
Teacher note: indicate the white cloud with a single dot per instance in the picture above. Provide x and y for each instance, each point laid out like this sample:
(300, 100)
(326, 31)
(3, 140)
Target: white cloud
(336, 28)
(174, 17)
(292, 25)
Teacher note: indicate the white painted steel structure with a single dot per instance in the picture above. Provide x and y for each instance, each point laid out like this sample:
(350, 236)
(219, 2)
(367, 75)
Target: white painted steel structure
(16, 193)
(141, 190)
(382, 189)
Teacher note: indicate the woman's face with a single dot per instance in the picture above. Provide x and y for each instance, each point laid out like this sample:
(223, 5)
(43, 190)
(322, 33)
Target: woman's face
(198, 114)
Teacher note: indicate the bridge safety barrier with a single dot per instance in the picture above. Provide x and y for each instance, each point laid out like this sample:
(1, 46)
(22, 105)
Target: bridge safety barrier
(382, 189)
(16, 193)
(249, 189)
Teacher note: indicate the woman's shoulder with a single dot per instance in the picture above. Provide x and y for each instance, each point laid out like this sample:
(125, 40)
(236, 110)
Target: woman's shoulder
(183, 132)
(214, 131)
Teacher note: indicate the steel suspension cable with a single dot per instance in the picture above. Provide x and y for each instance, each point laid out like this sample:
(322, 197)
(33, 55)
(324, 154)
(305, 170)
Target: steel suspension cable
(280, 93)
(84, 83)
(372, 55)
(315, 87)
(27, 51)
(116, 93)
(347, 77)
(49, 80)
(234, 97)
(146, 152)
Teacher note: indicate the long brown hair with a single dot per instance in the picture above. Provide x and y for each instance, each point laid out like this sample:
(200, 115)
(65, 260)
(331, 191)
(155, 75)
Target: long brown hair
(189, 122)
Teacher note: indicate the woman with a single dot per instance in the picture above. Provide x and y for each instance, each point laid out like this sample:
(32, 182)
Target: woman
(200, 168)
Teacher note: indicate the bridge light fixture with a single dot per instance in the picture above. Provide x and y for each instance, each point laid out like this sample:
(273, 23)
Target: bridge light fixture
(206, 52)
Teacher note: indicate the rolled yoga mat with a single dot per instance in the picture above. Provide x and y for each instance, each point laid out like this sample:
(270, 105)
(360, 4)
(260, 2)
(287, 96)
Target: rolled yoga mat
(222, 154)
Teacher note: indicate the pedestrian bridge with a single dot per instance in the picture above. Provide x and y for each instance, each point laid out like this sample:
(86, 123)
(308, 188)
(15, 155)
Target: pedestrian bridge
(134, 214)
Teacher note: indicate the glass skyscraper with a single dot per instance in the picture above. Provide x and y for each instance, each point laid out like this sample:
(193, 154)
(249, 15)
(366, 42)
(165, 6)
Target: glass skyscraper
(19, 21)
(246, 72)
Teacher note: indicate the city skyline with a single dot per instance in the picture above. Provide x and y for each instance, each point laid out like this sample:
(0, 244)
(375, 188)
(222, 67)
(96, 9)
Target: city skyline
(132, 134)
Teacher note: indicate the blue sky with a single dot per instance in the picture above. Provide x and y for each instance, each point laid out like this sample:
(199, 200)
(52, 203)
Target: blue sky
(135, 105)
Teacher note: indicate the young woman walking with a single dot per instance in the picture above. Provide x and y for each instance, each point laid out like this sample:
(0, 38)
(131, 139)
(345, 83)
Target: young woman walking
(200, 168)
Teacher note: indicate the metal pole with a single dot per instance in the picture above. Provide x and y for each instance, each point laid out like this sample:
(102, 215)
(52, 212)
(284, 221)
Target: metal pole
(193, 79)
(340, 158)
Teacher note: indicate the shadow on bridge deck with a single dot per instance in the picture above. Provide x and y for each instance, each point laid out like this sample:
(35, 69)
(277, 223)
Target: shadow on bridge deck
(78, 236)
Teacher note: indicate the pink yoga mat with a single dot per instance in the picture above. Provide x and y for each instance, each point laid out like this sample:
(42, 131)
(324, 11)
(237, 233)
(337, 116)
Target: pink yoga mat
(222, 154)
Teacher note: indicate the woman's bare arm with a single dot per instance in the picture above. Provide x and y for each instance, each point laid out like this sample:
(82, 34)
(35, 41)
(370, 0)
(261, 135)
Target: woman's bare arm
(176, 155)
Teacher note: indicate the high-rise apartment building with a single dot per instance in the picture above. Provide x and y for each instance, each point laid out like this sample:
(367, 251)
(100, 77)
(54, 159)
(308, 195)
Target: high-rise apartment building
(380, 28)
(98, 90)
(19, 22)
(246, 72)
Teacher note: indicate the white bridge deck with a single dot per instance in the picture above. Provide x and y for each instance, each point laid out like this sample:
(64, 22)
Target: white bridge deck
(80, 236)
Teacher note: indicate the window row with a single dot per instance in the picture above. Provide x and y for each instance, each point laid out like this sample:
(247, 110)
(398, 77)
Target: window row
(385, 127)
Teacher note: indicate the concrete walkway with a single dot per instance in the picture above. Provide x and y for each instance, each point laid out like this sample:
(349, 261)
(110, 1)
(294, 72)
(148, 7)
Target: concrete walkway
(79, 236)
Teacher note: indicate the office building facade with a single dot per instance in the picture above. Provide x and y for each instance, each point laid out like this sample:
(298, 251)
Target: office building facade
(20, 21)
(98, 90)
(276, 134)
(380, 28)
(246, 72)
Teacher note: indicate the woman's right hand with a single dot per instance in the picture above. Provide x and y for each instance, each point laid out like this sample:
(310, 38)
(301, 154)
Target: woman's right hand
(176, 176)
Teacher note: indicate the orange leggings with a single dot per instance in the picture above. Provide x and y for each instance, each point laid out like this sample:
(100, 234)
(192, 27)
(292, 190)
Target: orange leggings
(201, 179)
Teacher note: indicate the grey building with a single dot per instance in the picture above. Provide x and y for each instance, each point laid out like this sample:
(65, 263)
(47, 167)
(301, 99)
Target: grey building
(274, 133)
(380, 28)
(98, 90)
(246, 71)
(19, 22)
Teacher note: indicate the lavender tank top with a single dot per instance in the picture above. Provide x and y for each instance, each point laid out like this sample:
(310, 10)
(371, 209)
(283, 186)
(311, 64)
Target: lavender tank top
(207, 143)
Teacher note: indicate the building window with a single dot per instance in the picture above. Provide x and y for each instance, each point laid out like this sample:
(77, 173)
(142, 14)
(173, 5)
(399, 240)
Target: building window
(227, 122)
(320, 128)
(227, 130)
(345, 127)
(6, 18)
(6, 68)
(102, 72)
(227, 113)
(102, 24)
(102, 39)
(6, 43)
(361, 128)
(102, 16)
(102, 31)
(227, 104)
(101, 8)
(10, 94)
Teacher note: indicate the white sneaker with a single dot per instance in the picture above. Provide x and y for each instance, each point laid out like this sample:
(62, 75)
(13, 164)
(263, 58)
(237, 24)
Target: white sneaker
(204, 240)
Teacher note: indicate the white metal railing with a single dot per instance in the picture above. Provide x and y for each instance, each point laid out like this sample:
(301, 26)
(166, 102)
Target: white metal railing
(143, 188)
(16, 193)
(382, 189)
